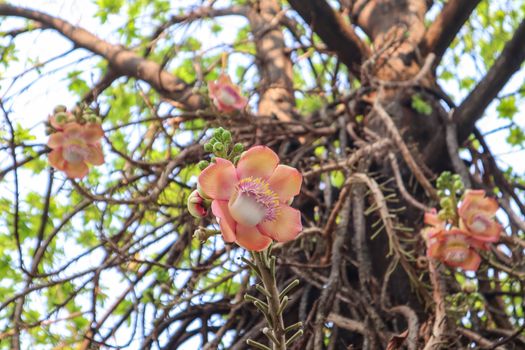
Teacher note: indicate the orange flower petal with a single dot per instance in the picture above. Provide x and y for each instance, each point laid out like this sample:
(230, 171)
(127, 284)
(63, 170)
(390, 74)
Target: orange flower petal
(56, 140)
(226, 222)
(76, 170)
(286, 227)
(56, 159)
(218, 180)
(73, 130)
(475, 201)
(95, 155)
(92, 133)
(431, 218)
(472, 262)
(250, 238)
(258, 161)
(285, 182)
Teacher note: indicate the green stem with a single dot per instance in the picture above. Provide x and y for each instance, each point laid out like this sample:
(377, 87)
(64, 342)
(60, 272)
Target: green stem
(274, 303)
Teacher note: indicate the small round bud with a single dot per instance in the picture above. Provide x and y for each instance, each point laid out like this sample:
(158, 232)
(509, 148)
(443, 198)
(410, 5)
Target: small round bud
(445, 202)
(203, 164)
(227, 136)
(238, 148)
(218, 147)
(458, 185)
(218, 133)
(59, 108)
(195, 205)
(61, 117)
(208, 147)
(90, 118)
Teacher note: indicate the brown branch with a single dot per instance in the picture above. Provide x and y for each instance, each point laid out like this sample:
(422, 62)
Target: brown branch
(447, 24)
(119, 58)
(508, 63)
(338, 35)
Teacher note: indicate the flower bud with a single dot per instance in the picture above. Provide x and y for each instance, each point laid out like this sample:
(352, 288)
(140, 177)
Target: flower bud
(218, 133)
(195, 206)
(61, 117)
(218, 147)
(238, 148)
(208, 147)
(203, 164)
(227, 136)
(59, 108)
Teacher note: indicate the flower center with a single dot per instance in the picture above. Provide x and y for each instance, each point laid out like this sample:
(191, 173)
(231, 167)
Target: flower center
(456, 255)
(253, 202)
(456, 250)
(227, 95)
(74, 153)
(479, 223)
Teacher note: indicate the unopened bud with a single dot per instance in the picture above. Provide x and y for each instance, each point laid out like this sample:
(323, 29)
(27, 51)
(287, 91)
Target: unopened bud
(218, 147)
(59, 108)
(203, 164)
(238, 148)
(208, 147)
(195, 205)
(227, 136)
(61, 117)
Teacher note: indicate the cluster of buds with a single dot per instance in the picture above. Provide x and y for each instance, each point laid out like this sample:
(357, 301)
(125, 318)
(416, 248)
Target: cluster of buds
(74, 139)
(221, 145)
(457, 232)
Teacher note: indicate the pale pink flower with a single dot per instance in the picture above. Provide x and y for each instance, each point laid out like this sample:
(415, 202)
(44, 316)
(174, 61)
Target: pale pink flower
(225, 95)
(251, 201)
(477, 216)
(74, 147)
(455, 248)
(195, 206)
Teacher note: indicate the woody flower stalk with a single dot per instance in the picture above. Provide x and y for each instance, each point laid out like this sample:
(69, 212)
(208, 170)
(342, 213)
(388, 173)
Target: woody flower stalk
(250, 195)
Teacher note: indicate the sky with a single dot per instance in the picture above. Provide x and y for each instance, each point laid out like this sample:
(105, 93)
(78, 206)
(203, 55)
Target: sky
(33, 106)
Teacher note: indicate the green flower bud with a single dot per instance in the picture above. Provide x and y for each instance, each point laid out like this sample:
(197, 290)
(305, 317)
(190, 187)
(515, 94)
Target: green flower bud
(61, 117)
(458, 185)
(218, 133)
(218, 147)
(227, 136)
(203, 164)
(445, 203)
(208, 147)
(59, 108)
(90, 118)
(238, 148)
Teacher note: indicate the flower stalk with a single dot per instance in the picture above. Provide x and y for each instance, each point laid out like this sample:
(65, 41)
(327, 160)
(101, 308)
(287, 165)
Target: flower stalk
(263, 264)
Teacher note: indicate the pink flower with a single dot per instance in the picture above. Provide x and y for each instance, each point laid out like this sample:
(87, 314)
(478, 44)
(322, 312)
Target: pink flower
(477, 214)
(436, 225)
(225, 95)
(251, 201)
(74, 147)
(455, 248)
(195, 206)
